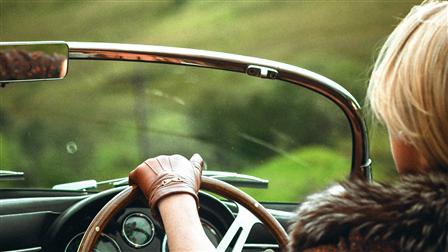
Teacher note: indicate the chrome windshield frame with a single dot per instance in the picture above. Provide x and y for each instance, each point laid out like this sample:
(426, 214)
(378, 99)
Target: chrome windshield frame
(257, 67)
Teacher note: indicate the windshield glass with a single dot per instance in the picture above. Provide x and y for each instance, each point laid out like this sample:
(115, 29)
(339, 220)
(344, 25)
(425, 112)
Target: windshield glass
(107, 117)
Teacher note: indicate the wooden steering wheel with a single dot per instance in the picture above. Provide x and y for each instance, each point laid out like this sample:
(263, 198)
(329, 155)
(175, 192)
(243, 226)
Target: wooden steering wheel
(242, 221)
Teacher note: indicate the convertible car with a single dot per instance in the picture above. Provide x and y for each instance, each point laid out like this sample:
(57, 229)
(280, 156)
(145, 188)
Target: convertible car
(67, 145)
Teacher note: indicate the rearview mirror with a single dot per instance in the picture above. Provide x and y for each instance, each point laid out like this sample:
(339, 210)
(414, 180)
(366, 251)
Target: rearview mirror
(33, 61)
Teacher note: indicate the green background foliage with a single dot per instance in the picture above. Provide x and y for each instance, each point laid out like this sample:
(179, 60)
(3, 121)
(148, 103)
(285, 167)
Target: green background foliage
(337, 39)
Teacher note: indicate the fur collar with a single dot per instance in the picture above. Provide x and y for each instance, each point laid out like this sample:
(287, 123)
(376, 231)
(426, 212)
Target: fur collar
(413, 214)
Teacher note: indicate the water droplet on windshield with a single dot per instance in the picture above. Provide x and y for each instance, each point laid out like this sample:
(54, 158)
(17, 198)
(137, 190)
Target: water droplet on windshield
(71, 147)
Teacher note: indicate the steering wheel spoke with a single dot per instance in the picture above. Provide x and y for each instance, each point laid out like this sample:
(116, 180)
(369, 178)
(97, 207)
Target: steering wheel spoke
(240, 228)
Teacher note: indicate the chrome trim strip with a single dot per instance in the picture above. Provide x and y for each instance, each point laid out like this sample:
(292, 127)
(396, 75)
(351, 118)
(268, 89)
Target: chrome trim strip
(34, 249)
(11, 175)
(261, 246)
(190, 57)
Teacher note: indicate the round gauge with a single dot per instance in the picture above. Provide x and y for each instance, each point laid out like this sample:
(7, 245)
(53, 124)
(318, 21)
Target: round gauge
(138, 230)
(213, 235)
(104, 244)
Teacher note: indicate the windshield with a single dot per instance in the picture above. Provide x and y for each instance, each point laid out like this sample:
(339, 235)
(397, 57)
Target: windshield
(104, 118)
(107, 117)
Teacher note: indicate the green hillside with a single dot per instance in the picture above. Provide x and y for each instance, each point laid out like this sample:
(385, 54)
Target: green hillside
(316, 167)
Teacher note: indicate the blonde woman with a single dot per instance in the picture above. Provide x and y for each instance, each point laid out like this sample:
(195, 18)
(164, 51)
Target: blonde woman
(407, 92)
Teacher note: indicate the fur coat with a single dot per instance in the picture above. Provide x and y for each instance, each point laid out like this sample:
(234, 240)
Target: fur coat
(411, 215)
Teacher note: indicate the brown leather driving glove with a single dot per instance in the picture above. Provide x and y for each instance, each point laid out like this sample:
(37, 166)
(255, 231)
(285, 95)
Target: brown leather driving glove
(165, 175)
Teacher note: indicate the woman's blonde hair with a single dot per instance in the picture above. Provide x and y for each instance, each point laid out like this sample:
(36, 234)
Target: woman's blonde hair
(408, 89)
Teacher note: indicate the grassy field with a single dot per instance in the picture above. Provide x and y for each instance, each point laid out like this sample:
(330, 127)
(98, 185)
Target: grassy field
(317, 167)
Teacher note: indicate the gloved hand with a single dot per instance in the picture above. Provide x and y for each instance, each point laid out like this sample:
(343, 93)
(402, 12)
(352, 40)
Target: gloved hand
(165, 175)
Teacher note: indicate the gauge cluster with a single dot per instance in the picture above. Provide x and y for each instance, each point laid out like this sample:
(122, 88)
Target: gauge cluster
(138, 231)
(134, 229)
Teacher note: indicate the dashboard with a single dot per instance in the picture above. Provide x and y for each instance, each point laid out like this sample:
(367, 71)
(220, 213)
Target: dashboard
(34, 221)
(135, 229)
